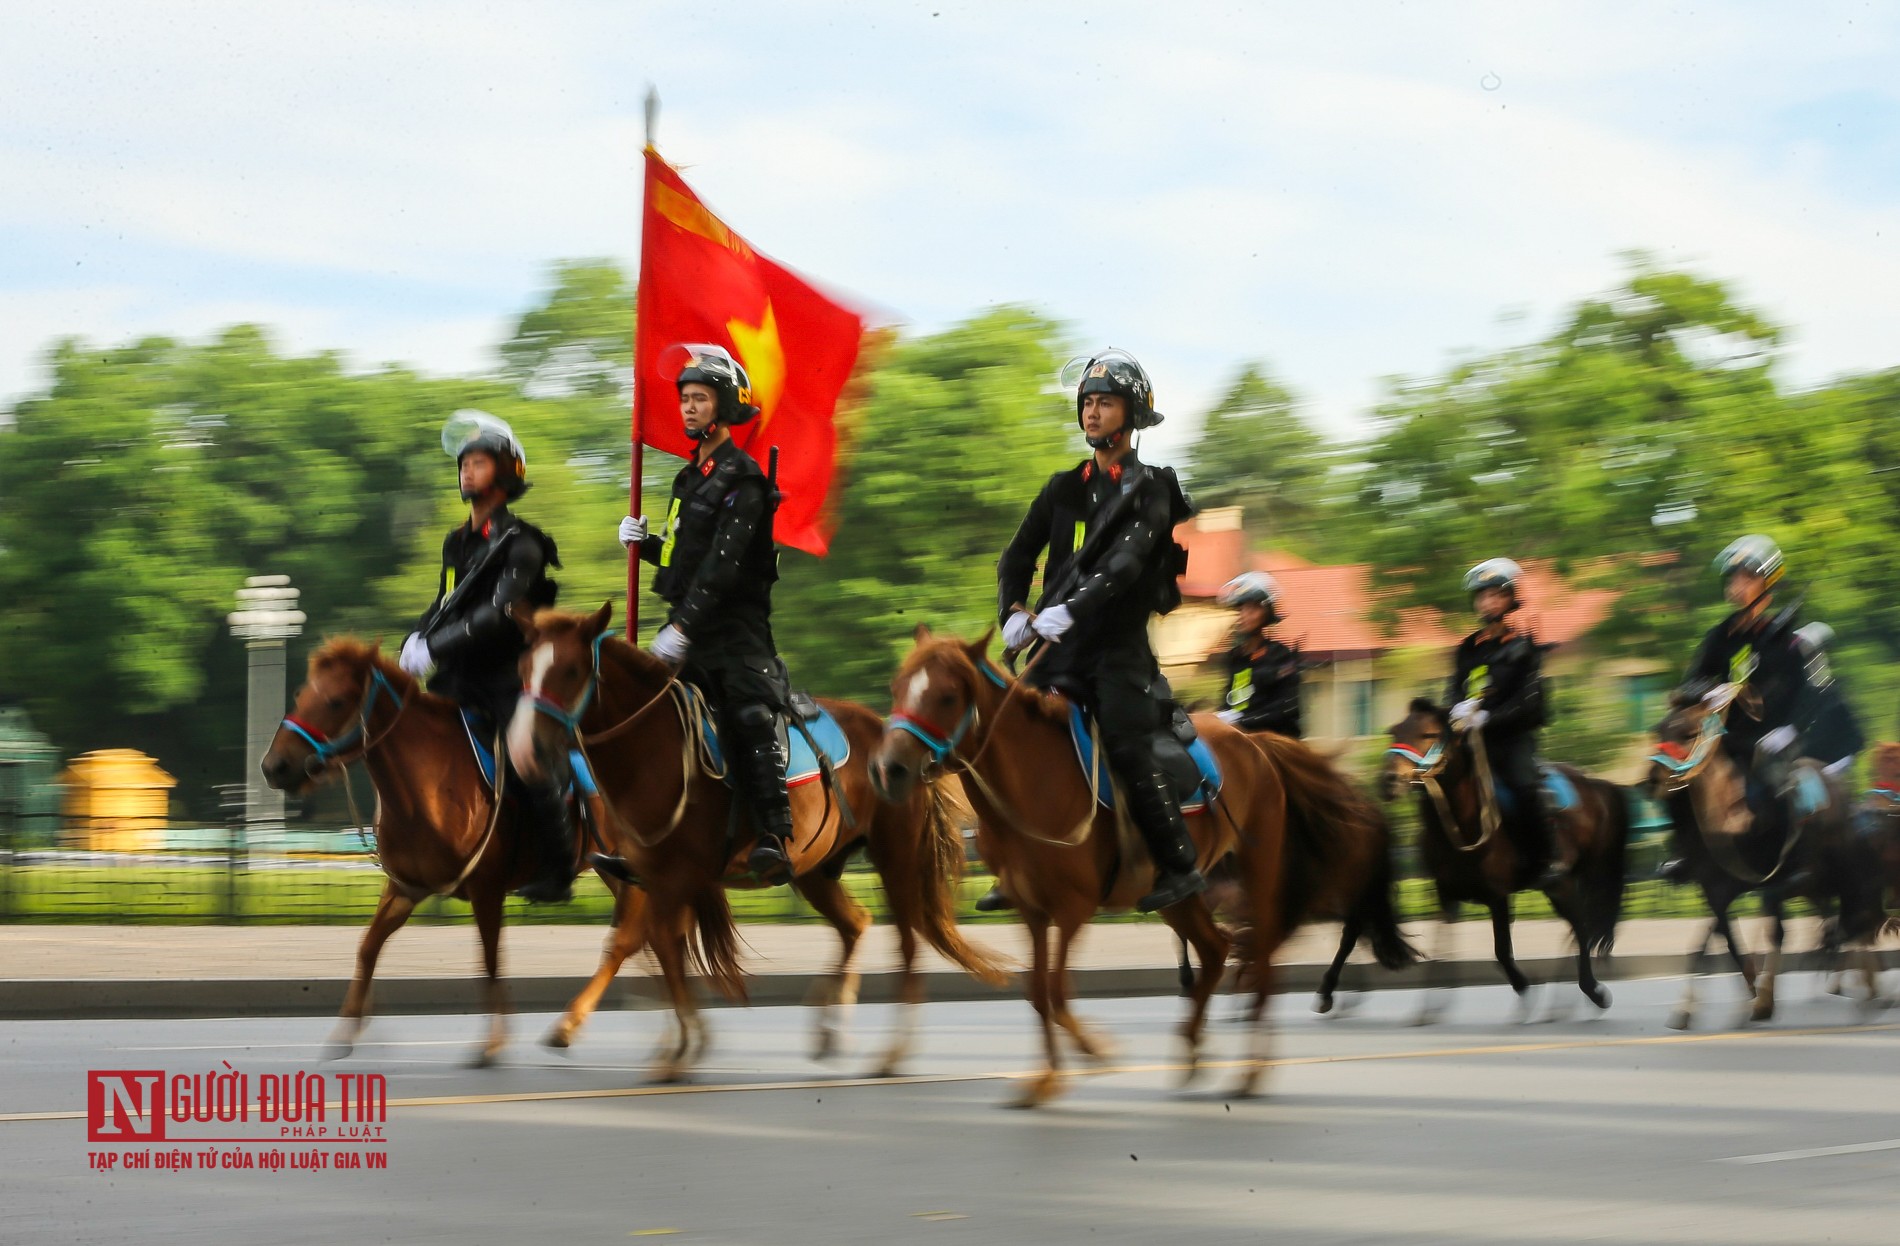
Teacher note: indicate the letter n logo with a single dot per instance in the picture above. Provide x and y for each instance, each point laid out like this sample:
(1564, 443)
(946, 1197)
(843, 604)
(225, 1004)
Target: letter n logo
(125, 1105)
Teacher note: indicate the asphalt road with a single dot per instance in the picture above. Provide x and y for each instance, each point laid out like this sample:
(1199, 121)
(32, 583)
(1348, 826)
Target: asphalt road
(1600, 1130)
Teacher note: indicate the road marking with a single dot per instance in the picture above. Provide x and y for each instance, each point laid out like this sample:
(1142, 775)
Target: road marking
(946, 1079)
(1813, 1152)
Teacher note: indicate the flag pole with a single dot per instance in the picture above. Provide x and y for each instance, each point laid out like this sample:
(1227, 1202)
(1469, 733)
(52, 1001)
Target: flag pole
(638, 430)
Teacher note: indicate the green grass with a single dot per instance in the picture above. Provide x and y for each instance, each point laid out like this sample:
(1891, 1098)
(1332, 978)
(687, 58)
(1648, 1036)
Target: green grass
(202, 894)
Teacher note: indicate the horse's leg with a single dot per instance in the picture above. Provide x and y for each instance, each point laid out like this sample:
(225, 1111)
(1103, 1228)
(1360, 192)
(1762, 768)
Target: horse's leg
(1257, 1059)
(1764, 1005)
(1195, 923)
(1429, 1006)
(1045, 1086)
(1564, 901)
(669, 948)
(487, 903)
(1348, 939)
(838, 990)
(1684, 1012)
(910, 993)
(622, 941)
(1507, 959)
(1089, 1042)
(391, 912)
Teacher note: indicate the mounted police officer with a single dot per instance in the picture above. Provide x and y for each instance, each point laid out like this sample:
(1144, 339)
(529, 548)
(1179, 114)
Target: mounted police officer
(494, 575)
(1830, 731)
(1754, 660)
(1107, 524)
(1497, 690)
(717, 565)
(1263, 675)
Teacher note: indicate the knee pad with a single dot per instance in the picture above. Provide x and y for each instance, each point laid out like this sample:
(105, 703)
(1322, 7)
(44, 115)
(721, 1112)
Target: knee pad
(753, 717)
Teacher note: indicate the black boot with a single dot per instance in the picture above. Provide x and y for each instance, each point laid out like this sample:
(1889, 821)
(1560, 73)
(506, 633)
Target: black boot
(1676, 871)
(554, 841)
(994, 901)
(1157, 815)
(761, 775)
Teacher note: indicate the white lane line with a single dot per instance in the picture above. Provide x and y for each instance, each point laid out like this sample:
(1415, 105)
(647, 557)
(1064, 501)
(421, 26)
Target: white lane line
(1812, 1152)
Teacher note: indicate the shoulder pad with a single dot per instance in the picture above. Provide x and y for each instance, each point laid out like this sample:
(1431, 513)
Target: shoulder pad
(1180, 506)
(548, 550)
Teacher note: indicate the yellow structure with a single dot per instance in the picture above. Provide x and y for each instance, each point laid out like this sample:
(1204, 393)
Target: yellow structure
(116, 801)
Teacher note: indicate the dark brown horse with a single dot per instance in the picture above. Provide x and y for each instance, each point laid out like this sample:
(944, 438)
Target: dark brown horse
(1063, 858)
(1473, 861)
(674, 820)
(438, 829)
(1730, 852)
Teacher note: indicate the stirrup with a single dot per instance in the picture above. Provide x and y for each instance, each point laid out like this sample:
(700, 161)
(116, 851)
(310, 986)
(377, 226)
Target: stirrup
(769, 861)
(1675, 870)
(1171, 889)
(554, 889)
(614, 867)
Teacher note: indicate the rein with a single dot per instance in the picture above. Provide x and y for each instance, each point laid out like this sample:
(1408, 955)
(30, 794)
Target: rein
(1427, 769)
(1682, 774)
(325, 751)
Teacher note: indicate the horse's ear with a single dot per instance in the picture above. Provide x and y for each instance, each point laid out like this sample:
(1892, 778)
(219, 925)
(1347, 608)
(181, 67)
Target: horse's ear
(1424, 705)
(921, 633)
(980, 647)
(376, 646)
(600, 619)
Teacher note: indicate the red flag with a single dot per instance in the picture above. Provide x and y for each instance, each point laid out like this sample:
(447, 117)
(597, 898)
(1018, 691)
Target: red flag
(700, 282)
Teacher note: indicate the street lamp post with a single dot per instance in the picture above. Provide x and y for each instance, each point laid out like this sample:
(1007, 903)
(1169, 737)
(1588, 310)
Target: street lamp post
(266, 617)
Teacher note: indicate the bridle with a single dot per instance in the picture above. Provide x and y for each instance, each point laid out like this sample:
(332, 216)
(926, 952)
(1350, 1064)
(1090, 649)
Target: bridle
(324, 751)
(1427, 769)
(571, 718)
(942, 744)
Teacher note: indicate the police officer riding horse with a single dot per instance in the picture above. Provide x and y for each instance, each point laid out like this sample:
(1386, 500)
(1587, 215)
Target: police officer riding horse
(717, 565)
(494, 576)
(1107, 525)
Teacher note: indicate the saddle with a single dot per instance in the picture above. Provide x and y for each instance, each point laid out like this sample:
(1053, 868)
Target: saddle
(476, 727)
(809, 738)
(1180, 752)
(1559, 794)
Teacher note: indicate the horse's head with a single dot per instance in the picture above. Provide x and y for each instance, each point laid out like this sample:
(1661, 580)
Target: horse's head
(1424, 728)
(345, 681)
(558, 681)
(933, 709)
(1676, 737)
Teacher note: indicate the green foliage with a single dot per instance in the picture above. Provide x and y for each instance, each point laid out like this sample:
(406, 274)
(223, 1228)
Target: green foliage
(1256, 452)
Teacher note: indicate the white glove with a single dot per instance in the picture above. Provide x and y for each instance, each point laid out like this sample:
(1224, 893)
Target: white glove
(1017, 629)
(633, 531)
(1475, 720)
(1464, 709)
(1778, 740)
(1719, 694)
(670, 645)
(415, 658)
(1053, 622)
(1230, 717)
(1838, 768)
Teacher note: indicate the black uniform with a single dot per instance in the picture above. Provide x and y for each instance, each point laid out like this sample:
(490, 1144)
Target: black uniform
(717, 565)
(1263, 683)
(1506, 677)
(1830, 731)
(1765, 657)
(1113, 563)
(489, 575)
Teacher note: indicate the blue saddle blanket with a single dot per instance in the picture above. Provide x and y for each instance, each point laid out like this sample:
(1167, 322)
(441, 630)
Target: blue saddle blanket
(1810, 792)
(477, 728)
(1105, 784)
(1560, 794)
(801, 764)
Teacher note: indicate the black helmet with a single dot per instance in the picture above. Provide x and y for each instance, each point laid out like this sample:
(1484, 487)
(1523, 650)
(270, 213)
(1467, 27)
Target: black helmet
(713, 366)
(1494, 573)
(1112, 371)
(1753, 553)
(1251, 588)
(469, 429)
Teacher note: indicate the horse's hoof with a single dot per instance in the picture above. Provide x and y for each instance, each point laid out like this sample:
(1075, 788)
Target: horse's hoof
(1600, 997)
(1762, 1011)
(1678, 1020)
(1249, 1085)
(825, 1045)
(1322, 1004)
(1426, 1016)
(337, 1049)
(1040, 1090)
(560, 1038)
(482, 1059)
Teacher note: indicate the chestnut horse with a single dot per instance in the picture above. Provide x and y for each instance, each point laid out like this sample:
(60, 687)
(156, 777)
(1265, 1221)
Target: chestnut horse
(1063, 858)
(1731, 852)
(1473, 861)
(674, 820)
(438, 829)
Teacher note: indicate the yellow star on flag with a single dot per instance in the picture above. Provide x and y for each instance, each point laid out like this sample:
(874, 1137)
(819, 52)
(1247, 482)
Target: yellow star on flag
(759, 349)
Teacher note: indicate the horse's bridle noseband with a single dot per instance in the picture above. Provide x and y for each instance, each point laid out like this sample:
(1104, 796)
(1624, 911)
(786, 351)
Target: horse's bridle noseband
(325, 751)
(571, 718)
(941, 744)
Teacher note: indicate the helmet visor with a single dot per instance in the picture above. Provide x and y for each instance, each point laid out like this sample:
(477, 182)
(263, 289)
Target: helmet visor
(679, 361)
(469, 427)
(1112, 363)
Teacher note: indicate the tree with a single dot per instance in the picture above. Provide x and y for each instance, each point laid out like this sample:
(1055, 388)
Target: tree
(1256, 452)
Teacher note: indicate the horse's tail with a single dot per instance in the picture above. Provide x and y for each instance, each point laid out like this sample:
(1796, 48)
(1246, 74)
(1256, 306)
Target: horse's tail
(713, 945)
(1375, 908)
(1323, 813)
(1601, 881)
(929, 888)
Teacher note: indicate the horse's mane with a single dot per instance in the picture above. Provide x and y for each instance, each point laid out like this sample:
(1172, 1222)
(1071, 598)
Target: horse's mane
(354, 651)
(1052, 706)
(618, 650)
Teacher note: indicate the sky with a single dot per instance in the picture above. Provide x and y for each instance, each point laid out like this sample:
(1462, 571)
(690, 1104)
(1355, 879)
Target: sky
(1345, 192)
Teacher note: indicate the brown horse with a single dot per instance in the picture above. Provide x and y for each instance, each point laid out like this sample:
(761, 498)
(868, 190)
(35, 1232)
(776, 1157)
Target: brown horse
(676, 824)
(1472, 860)
(438, 829)
(1063, 858)
(1731, 852)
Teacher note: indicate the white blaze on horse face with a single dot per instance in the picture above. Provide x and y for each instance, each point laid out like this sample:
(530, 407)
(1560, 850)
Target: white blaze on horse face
(521, 726)
(914, 691)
